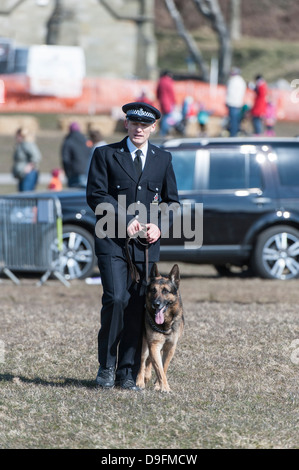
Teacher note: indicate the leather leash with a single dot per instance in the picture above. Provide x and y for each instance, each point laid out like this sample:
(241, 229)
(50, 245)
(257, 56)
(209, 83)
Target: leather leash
(133, 270)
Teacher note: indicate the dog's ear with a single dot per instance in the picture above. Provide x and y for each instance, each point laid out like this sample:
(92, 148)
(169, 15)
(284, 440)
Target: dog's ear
(174, 275)
(154, 271)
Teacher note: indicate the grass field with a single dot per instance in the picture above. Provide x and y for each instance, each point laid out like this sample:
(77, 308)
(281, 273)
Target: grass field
(234, 377)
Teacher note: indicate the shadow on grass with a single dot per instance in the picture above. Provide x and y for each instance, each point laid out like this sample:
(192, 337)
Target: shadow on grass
(60, 382)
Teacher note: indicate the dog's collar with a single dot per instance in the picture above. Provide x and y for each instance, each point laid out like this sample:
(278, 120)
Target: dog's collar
(155, 327)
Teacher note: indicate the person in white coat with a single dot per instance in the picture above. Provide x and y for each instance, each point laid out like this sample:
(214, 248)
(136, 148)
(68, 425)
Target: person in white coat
(235, 93)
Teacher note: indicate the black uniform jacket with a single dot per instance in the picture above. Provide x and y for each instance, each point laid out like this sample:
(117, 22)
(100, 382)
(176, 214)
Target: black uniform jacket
(115, 194)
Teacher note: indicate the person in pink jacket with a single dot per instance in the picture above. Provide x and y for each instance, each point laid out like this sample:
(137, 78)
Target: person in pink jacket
(258, 110)
(166, 97)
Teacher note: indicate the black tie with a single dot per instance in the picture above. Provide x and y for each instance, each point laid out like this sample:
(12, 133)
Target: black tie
(138, 162)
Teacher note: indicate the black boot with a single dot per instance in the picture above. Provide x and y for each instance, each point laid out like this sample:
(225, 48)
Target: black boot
(105, 377)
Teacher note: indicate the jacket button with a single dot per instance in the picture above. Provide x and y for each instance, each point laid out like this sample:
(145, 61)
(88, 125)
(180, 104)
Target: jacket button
(118, 186)
(157, 189)
(139, 187)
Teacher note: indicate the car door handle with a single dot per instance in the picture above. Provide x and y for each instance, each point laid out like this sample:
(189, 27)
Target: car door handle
(261, 200)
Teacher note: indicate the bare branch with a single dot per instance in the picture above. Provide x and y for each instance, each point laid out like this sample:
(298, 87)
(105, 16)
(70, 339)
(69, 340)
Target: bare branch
(192, 46)
(8, 11)
(116, 15)
(235, 19)
(211, 10)
(204, 9)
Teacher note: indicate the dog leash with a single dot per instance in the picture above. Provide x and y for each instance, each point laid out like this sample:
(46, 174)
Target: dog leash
(133, 270)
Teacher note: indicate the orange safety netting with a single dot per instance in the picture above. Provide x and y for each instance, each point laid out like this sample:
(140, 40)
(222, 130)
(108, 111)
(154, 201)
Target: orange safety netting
(103, 95)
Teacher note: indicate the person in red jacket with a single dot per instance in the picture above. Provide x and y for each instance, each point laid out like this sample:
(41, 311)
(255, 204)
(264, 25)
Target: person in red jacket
(166, 97)
(258, 110)
(55, 183)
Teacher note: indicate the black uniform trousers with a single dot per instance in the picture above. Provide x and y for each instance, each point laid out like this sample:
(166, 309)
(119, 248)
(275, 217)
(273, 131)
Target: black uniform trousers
(122, 314)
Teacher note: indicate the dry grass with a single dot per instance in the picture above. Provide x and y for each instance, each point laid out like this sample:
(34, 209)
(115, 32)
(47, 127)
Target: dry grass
(233, 382)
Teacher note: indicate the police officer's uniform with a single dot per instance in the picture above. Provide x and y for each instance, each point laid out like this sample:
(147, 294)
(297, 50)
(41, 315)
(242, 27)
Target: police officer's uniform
(111, 175)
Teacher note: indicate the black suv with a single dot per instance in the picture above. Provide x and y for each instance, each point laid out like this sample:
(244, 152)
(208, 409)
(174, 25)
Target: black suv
(250, 193)
(249, 190)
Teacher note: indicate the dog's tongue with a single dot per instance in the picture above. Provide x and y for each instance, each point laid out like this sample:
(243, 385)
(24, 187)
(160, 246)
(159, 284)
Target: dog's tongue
(159, 316)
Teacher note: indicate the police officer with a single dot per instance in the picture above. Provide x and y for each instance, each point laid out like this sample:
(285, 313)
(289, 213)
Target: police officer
(129, 174)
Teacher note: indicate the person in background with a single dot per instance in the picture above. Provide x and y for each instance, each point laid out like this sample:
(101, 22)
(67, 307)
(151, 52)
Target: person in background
(235, 93)
(270, 118)
(55, 182)
(145, 97)
(166, 97)
(75, 155)
(203, 117)
(96, 140)
(187, 114)
(26, 160)
(258, 111)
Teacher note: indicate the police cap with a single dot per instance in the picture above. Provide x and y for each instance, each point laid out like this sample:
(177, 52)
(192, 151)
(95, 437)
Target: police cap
(141, 112)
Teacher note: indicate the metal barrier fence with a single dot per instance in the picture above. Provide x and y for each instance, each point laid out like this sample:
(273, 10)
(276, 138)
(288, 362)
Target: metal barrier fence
(31, 237)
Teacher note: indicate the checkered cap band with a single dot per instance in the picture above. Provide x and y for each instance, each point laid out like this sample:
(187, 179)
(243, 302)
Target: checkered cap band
(140, 112)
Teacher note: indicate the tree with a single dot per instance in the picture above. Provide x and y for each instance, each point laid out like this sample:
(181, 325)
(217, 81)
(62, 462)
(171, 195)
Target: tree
(235, 19)
(211, 10)
(191, 44)
(54, 23)
(144, 44)
(10, 8)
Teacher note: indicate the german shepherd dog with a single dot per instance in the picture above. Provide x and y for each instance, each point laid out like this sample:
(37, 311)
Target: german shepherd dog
(164, 324)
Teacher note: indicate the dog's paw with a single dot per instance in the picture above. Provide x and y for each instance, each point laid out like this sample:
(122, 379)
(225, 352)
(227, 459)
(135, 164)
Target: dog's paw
(140, 383)
(162, 387)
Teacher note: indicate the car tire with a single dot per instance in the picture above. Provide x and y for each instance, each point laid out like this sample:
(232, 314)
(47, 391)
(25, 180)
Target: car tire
(276, 253)
(77, 260)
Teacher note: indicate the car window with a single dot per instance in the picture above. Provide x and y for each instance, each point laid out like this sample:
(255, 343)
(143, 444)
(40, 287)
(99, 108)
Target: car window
(255, 179)
(233, 171)
(288, 165)
(184, 167)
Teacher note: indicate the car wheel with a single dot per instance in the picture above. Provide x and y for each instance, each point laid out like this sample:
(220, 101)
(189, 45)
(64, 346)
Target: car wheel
(77, 260)
(276, 254)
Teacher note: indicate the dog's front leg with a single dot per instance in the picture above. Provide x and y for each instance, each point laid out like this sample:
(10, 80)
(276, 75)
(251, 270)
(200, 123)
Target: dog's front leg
(148, 370)
(142, 376)
(155, 355)
(168, 353)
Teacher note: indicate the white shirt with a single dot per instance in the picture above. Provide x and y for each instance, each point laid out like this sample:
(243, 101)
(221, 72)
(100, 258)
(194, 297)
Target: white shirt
(236, 87)
(132, 149)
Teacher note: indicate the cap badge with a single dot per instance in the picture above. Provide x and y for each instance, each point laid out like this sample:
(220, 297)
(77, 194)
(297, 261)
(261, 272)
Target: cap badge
(156, 199)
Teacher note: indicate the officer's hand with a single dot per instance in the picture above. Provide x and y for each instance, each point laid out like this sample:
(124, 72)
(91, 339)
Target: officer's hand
(153, 233)
(133, 228)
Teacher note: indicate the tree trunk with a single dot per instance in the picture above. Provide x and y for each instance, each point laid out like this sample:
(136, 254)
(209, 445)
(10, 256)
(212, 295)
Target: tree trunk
(54, 24)
(235, 20)
(211, 10)
(193, 49)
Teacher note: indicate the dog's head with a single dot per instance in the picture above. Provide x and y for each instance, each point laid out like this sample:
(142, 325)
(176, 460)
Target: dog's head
(162, 293)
